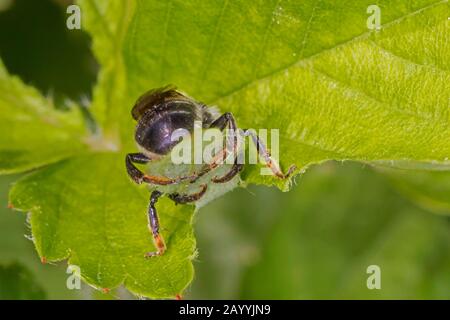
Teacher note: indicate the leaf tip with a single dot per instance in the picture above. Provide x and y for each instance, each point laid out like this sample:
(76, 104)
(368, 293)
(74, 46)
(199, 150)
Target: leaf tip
(178, 297)
(44, 260)
(106, 290)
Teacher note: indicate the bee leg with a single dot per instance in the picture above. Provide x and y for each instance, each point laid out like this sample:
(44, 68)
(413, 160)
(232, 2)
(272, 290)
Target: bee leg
(134, 173)
(186, 198)
(221, 123)
(235, 169)
(153, 225)
(138, 176)
(224, 121)
(263, 152)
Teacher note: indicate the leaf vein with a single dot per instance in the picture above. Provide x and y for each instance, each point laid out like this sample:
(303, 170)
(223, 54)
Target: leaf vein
(210, 52)
(338, 45)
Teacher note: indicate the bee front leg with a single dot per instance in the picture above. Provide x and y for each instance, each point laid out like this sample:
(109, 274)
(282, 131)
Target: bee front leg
(265, 154)
(138, 176)
(134, 173)
(153, 225)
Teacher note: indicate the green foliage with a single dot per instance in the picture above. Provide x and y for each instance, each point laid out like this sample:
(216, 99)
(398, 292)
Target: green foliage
(97, 220)
(33, 132)
(16, 282)
(16, 248)
(107, 21)
(313, 70)
(430, 190)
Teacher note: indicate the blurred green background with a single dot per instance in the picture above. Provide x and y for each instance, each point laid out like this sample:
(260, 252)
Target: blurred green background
(313, 242)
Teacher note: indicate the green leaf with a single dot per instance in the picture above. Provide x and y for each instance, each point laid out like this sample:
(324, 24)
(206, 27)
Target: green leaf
(16, 247)
(335, 89)
(108, 21)
(96, 218)
(33, 133)
(311, 69)
(16, 282)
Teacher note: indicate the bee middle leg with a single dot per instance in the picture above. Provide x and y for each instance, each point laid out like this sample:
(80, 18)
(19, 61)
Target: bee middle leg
(186, 198)
(153, 225)
(235, 169)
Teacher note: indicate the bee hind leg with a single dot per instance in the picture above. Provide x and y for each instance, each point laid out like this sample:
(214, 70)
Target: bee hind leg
(153, 225)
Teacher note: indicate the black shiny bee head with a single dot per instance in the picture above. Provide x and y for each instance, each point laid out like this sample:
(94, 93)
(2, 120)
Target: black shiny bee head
(159, 113)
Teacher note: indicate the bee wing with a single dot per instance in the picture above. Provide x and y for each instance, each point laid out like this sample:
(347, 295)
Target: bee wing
(155, 97)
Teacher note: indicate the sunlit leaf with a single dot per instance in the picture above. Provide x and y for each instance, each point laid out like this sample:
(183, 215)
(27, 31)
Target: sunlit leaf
(335, 89)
